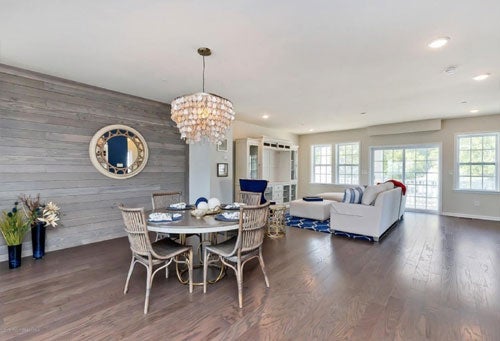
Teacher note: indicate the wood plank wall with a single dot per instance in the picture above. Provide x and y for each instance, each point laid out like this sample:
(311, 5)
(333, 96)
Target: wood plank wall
(46, 124)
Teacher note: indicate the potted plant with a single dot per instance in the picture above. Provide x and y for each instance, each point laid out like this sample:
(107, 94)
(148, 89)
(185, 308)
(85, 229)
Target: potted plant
(14, 225)
(40, 216)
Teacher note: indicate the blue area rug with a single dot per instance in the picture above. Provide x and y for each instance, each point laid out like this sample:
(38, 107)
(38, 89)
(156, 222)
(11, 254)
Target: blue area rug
(320, 226)
(308, 224)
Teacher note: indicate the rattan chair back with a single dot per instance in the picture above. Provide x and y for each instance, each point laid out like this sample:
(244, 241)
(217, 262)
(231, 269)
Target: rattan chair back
(253, 223)
(249, 198)
(137, 231)
(165, 199)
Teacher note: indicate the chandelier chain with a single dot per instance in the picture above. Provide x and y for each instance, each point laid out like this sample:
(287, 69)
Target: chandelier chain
(203, 73)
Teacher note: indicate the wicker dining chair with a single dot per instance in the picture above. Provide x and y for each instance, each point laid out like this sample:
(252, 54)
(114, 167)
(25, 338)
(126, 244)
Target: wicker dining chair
(249, 198)
(165, 199)
(161, 252)
(235, 252)
(162, 200)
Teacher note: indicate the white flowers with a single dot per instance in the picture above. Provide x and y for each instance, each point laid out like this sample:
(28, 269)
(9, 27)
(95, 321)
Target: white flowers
(50, 214)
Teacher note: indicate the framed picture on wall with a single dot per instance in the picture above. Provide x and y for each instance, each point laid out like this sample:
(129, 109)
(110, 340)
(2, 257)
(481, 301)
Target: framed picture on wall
(222, 146)
(222, 169)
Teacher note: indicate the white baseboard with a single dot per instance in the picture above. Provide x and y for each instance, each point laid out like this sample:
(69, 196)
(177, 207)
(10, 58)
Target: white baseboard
(471, 216)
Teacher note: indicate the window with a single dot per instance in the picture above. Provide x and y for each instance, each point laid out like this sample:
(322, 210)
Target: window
(416, 166)
(477, 162)
(321, 164)
(347, 163)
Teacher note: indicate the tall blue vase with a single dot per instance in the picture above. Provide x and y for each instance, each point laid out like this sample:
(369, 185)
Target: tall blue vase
(38, 239)
(15, 255)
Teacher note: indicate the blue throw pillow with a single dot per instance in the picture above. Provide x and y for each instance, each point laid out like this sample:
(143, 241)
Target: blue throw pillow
(353, 195)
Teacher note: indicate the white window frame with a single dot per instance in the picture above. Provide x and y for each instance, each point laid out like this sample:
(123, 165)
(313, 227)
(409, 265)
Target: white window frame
(313, 164)
(338, 164)
(457, 162)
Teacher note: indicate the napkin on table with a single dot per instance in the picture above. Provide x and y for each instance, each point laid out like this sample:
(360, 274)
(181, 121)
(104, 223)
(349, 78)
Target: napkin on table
(231, 215)
(180, 205)
(163, 216)
(235, 205)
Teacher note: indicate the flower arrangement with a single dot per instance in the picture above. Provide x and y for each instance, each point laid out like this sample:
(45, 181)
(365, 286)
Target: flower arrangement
(32, 207)
(50, 214)
(14, 225)
(35, 210)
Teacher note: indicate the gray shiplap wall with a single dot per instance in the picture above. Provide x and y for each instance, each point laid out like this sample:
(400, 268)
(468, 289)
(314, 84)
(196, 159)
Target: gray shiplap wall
(46, 125)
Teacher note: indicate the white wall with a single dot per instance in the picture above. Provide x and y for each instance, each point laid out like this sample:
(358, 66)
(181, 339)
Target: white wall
(454, 202)
(243, 129)
(203, 179)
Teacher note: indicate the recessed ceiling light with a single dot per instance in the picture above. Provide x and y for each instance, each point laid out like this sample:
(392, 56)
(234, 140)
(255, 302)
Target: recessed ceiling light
(474, 111)
(363, 113)
(265, 117)
(439, 42)
(451, 69)
(463, 102)
(482, 77)
(312, 129)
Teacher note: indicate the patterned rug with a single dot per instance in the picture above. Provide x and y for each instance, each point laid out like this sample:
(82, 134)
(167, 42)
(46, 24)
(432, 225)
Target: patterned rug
(308, 224)
(320, 226)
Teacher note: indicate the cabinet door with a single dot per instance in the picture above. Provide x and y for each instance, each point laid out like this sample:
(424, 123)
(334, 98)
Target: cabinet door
(278, 193)
(286, 193)
(253, 161)
(293, 192)
(293, 165)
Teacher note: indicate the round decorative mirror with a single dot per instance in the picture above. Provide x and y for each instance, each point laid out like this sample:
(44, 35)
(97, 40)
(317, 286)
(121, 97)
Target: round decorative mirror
(118, 151)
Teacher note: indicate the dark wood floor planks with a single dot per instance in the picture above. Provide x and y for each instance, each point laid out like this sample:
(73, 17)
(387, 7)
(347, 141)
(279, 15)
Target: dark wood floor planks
(432, 277)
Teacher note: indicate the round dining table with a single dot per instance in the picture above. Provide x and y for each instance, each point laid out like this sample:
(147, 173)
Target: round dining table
(189, 224)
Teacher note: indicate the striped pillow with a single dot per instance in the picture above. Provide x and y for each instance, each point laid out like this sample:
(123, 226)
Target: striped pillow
(353, 195)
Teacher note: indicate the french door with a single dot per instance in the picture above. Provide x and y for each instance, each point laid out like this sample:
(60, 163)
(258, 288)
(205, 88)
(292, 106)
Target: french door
(418, 167)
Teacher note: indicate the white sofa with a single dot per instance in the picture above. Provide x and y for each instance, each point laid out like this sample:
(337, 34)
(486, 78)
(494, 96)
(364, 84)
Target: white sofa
(368, 220)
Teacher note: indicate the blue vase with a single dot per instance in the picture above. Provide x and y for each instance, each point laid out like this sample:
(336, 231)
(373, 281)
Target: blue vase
(15, 255)
(38, 239)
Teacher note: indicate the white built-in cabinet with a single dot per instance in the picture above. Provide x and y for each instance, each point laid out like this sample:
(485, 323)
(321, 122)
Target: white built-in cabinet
(269, 159)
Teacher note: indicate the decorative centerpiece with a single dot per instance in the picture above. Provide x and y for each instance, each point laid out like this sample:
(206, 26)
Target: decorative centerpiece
(204, 207)
(40, 216)
(198, 212)
(213, 206)
(14, 225)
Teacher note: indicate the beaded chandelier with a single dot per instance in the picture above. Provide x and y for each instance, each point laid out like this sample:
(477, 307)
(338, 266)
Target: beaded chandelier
(202, 116)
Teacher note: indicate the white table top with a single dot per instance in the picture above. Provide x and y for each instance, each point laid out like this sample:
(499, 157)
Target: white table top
(189, 224)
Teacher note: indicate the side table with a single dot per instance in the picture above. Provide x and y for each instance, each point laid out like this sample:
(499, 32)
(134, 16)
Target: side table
(276, 225)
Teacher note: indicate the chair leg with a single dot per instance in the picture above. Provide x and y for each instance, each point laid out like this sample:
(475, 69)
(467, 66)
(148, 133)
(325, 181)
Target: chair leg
(130, 270)
(190, 270)
(148, 287)
(263, 267)
(239, 279)
(166, 270)
(205, 270)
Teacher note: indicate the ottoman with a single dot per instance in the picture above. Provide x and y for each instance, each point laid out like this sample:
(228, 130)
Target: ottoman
(317, 210)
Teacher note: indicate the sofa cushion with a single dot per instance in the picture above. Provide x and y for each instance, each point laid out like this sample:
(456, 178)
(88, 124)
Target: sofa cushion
(371, 192)
(353, 195)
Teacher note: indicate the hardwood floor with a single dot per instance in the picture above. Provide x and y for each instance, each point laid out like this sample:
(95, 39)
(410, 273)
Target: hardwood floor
(432, 277)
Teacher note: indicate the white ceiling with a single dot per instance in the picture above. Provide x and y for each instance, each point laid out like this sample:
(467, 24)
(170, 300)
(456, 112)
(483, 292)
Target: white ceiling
(307, 64)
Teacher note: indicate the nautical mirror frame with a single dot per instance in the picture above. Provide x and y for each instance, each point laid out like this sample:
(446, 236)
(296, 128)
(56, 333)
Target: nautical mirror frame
(97, 151)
